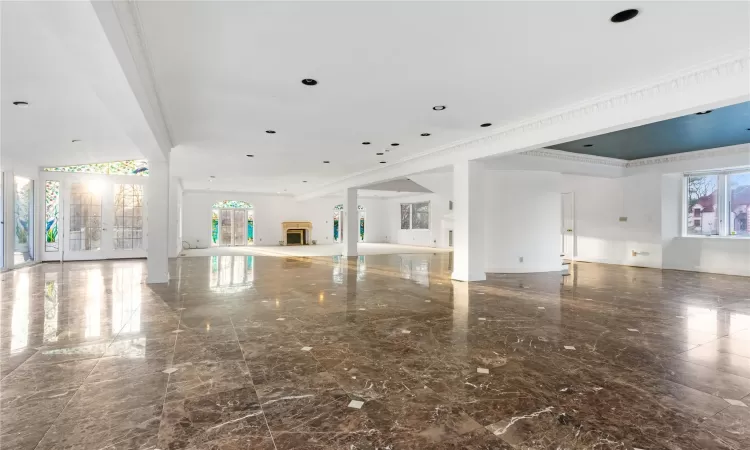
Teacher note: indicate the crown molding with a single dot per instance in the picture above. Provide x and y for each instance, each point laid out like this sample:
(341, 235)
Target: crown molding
(575, 157)
(719, 82)
(689, 156)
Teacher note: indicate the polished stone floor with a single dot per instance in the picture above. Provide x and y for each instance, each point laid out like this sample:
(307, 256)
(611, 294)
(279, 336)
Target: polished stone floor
(375, 352)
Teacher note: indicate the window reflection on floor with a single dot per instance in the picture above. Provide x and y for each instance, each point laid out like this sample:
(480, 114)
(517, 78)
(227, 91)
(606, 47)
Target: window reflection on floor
(231, 273)
(20, 322)
(51, 307)
(416, 269)
(126, 299)
(93, 303)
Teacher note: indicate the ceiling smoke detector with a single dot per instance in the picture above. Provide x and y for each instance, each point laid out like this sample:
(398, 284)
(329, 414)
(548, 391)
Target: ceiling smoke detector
(309, 82)
(624, 16)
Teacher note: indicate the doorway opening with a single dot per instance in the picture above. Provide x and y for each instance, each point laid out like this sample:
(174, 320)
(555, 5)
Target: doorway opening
(338, 223)
(232, 224)
(567, 233)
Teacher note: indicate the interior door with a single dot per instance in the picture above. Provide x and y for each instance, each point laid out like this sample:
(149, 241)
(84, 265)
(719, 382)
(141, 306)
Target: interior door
(225, 227)
(567, 226)
(240, 227)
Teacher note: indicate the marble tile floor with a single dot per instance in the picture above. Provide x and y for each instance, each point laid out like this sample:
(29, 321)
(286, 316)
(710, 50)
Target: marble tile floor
(374, 352)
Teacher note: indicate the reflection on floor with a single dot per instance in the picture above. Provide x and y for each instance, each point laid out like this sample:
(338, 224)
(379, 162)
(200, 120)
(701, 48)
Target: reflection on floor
(371, 352)
(363, 248)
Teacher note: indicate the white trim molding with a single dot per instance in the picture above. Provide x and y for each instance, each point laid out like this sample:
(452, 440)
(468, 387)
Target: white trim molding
(575, 157)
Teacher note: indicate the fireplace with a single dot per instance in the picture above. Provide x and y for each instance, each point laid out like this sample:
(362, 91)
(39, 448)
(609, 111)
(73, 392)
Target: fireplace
(295, 236)
(296, 233)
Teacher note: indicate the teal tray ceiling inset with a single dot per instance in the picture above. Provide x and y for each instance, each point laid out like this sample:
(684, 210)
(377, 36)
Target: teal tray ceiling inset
(722, 127)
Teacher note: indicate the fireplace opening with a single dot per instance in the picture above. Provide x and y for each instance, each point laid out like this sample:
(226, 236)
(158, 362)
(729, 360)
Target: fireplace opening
(296, 236)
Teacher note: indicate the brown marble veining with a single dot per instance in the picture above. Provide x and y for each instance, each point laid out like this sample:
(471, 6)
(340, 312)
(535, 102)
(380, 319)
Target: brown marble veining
(376, 352)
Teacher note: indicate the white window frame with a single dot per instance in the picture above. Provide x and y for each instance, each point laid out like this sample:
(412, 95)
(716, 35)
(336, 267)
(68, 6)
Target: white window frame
(411, 216)
(722, 202)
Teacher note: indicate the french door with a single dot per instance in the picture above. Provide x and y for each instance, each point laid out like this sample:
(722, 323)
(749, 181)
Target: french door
(99, 219)
(233, 227)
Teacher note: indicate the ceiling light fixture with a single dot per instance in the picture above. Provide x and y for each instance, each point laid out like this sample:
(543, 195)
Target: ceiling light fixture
(382, 162)
(588, 145)
(624, 16)
(75, 140)
(270, 132)
(395, 144)
(380, 154)
(365, 143)
(485, 125)
(326, 162)
(425, 134)
(704, 112)
(309, 82)
(304, 181)
(438, 108)
(21, 104)
(250, 156)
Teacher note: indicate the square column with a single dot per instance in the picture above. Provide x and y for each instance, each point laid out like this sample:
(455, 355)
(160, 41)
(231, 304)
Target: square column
(157, 263)
(350, 219)
(468, 221)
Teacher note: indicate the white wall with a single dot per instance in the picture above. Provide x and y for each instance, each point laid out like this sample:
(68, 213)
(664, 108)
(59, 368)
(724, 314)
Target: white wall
(271, 210)
(599, 204)
(522, 220)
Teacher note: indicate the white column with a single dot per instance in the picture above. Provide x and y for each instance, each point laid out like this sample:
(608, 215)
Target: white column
(175, 200)
(157, 263)
(350, 220)
(468, 221)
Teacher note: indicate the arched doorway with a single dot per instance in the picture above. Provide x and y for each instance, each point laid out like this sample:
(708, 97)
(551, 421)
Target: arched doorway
(232, 223)
(338, 225)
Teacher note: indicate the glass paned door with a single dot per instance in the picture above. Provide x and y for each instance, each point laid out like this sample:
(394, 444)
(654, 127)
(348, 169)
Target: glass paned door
(240, 226)
(226, 226)
(85, 225)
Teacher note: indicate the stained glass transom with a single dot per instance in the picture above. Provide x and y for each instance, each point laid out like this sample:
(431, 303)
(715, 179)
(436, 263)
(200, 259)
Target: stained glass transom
(341, 207)
(130, 167)
(232, 204)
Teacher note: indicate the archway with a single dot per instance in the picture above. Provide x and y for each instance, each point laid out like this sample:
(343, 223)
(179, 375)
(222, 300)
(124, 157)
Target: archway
(232, 224)
(338, 226)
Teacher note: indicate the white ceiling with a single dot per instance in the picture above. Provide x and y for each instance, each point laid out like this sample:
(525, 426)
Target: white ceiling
(39, 68)
(227, 71)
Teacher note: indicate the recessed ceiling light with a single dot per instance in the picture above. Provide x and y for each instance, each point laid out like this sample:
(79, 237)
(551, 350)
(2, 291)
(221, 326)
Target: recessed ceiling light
(382, 162)
(211, 176)
(326, 162)
(704, 112)
(484, 125)
(75, 140)
(438, 108)
(380, 154)
(425, 134)
(21, 104)
(270, 132)
(588, 145)
(365, 143)
(395, 144)
(250, 156)
(309, 82)
(304, 181)
(624, 16)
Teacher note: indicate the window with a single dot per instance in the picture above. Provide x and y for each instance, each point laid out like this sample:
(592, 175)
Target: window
(415, 216)
(52, 212)
(128, 230)
(85, 217)
(717, 203)
(130, 167)
(405, 216)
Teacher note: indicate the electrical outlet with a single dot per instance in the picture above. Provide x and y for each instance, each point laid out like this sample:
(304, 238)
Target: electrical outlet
(520, 259)
(623, 219)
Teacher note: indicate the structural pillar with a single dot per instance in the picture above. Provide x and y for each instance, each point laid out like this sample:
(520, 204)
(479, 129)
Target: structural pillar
(157, 263)
(350, 220)
(468, 221)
